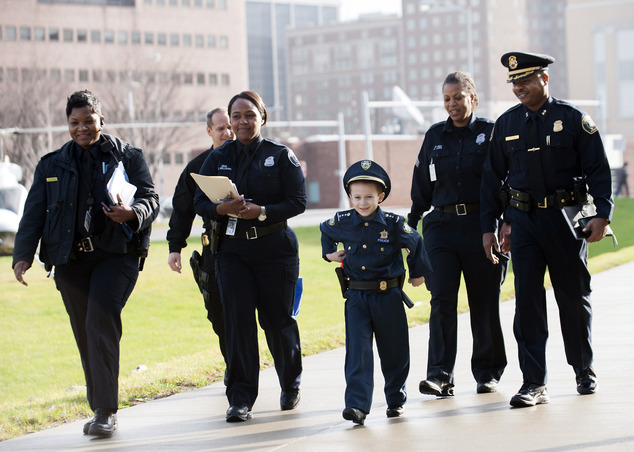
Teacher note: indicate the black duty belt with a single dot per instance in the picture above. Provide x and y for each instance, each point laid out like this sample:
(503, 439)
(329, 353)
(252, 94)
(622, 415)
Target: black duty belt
(255, 232)
(382, 285)
(460, 209)
(86, 244)
(525, 202)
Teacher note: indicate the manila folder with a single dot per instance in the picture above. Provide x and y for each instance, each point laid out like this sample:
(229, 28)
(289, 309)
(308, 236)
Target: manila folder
(216, 187)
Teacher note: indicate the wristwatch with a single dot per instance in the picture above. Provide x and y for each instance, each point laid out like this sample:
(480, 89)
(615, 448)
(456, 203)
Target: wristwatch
(262, 215)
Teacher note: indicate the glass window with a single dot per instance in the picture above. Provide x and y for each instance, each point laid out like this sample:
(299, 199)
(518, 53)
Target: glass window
(95, 36)
(211, 41)
(83, 75)
(174, 40)
(69, 75)
(12, 74)
(161, 39)
(187, 40)
(111, 76)
(211, 3)
(39, 33)
(55, 75)
(97, 76)
(224, 79)
(122, 37)
(200, 41)
(149, 38)
(198, 3)
(147, 2)
(1, 74)
(135, 37)
(188, 78)
(160, 2)
(222, 4)
(178, 158)
(200, 78)
(223, 42)
(186, 3)
(108, 36)
(213, 79)
(10, 33)
(25, 33)
(68, 35)
(173, 3)
(82, 35)
(27, 75)
(167, 158)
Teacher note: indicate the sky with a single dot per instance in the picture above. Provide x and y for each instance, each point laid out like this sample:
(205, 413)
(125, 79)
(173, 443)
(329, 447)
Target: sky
(350, 9)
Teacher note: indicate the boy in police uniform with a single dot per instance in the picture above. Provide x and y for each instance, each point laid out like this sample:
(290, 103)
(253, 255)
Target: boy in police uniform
(371, 276)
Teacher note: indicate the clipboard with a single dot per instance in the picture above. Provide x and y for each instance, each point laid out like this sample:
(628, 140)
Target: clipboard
(216, 187)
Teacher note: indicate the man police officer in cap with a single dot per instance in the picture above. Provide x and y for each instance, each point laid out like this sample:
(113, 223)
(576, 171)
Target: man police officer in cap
(544, 155)
(372, 277)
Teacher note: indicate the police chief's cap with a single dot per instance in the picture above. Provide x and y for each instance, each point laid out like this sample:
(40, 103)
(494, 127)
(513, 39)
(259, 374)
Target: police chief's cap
(522, 65)
(367, 170)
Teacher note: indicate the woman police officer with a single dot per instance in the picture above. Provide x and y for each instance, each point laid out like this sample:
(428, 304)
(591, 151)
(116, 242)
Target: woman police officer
(257, 266)
(447, 177)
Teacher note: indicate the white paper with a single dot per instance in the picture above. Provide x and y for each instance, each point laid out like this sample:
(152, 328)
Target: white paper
(119, 185)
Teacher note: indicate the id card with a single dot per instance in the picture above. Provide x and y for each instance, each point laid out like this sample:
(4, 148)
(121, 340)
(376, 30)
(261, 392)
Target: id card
(432, 172)
(231, 226)
(87, 220)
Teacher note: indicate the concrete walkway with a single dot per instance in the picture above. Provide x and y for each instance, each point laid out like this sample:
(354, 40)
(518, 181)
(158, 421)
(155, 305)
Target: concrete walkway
(195, 420)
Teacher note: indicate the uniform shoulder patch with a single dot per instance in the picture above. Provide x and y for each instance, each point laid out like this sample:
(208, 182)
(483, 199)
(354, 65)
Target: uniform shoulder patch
(293, 158)
(331, 222)
(407, 228)
(588, 124)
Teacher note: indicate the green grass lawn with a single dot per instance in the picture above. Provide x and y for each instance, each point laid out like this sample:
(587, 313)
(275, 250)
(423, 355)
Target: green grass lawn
(165, 329)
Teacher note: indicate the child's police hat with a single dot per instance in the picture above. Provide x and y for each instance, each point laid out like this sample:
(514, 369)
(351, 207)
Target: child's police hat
(522, 65)
(367, 170)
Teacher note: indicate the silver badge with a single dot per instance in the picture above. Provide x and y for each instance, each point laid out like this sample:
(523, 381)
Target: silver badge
(270, 161)
(481, 139)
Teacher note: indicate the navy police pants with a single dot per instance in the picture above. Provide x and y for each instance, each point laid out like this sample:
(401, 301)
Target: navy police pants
(95, 287)
(383, 316)
(542, 238)
(454, 245)
(260, 275)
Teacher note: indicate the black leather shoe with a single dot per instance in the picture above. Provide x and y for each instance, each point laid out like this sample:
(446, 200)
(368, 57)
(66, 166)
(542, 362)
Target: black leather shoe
(103, 424)
(354, 414)
(289, 400)
(238, 413)
(587, 381)
(530, 395)
(395, 411)
(437, 387)
(87, 426)
(487, 387)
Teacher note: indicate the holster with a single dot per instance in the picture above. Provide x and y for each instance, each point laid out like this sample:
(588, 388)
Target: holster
(195, 261)
(343, 280)
(212, 237)
(407, 300)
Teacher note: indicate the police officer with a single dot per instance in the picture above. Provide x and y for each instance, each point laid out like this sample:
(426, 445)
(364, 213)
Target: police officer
(94, 246)
(546, 151)
(182, 218)
(447, 177)
(373, 274)
(257, 265)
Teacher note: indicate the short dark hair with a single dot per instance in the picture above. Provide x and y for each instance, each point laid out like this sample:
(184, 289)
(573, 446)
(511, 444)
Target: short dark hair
(252, 97)
(465, 81)
(83, 98)
(379, 187)
(213, 112)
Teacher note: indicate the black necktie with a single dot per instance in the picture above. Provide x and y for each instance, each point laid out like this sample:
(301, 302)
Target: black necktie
(535, 173)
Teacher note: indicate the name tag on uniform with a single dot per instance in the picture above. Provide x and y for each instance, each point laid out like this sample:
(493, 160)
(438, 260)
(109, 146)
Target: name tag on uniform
(51, 179)
(512, 137)
(432, 171)
(231, 226)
